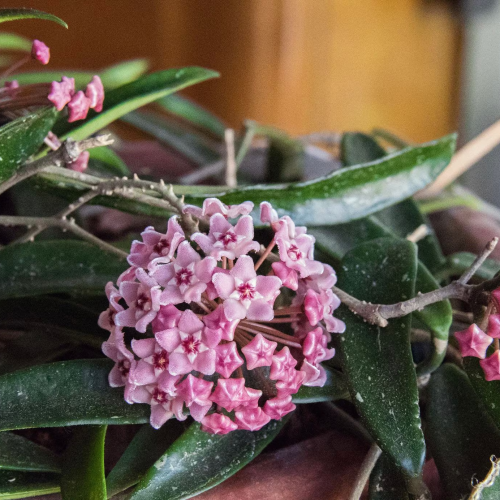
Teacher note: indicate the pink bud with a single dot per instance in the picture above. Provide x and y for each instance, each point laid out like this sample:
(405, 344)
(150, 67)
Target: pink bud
(217, 424)
(491, 366)
(81, 163)
(473, 341)
(78, 107)
(95, 92)
(61, 92)
(40, 52)
(11, 87)
(494, 326)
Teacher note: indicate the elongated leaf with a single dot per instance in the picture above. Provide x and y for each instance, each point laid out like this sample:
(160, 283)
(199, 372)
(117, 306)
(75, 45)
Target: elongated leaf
(198, 461)
(356, 148)
(461, 434)
(15, 14)
(59, 266)
(122, 73)
(383, 271)
(83, 465)
(146, 448)
(20, 484)
(193, 113)
(334, 388)
(52, 316)
(19, 453)
(108, 161)
(11, 41)
(122, 100)
(65, 393)
(21, 138)
(386, 481)
(459, 262)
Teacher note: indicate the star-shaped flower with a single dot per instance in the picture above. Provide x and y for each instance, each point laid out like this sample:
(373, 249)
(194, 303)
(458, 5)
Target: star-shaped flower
(230, 393)
(40, 52)
(283, 365)
(61, 92)
(251, 419)
(212, 206)
(217, 423)
(196, 393)
(216, 320)
(227, 359)
(277, 408)
(494, 326)
(473, 341)
(259, 352)
(95, 92)
(78, 107)
(491, 366)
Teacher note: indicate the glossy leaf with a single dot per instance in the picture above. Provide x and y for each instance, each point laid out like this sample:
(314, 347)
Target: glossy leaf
(15, 14)
(146, 448)
(122, 100)
(65, 393)
(58, 266)
(459, 262)
(356, 148)
(383, 271)
(83, 465)
(198, 461)
(19, 453)
(193, 113)
(11, 41)
(108, 161)
(21, 138)
(16, 484)
(387, 482)
(122, 73)
(334, 388)
(461, 434)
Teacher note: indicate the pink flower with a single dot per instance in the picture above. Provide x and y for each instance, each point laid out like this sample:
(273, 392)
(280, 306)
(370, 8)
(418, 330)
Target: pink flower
(251, 419)
(154, 361)
(491, 366)
(216, 320)
(289, 277)
(186, 277)
(259, 352)
(196, 393)
(107, 317)
(269, 216)
(245, 293)
(277, 408)
(143, 301)
(213, 206)
(62, 92)
(291, 385)
(473, 341)
(226, 240)
(155, 245)
(190, 349)
(114, 348)
(227, 359)
(315, 347)
(81, 163)
(230, 393)
(320, 306)
(315, 375)
(217, 424)
(283, 365)
(167, 317)
(323, 281)
(40, 52)
(95, 92)
(78, 107)
(494, 326)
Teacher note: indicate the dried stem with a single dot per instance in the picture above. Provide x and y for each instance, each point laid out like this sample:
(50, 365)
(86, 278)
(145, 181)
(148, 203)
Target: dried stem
(365, 470)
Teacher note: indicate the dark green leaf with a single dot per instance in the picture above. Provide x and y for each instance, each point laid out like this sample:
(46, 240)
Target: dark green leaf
(146, 448)
(11, 41)
(83, 465)
(15, 14)
(122, 100)
(334, 388)
(459, 262)
(383, 271)
(20, 484)
(65, 393)
(356, 148)
(21, 138)
(19, 453)
(461, 434)
(193, 113)
(59, 266)
(109, 162)
(198, 461)
(390, 138)
(387, 482)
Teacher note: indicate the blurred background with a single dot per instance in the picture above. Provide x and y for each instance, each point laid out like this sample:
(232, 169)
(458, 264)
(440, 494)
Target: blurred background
(419, 68)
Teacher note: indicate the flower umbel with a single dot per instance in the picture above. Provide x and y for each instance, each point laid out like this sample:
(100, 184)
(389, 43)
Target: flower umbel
(217, 345)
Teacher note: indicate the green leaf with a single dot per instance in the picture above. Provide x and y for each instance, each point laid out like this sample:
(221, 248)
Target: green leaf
(122, 100)
(110, 162)
(198, 461)
(459, 262)
(146, 448)
(21, 138)
(356, 148)
(58, 266)
(334, 388)
(52, 316)
(186, 109)
(16, 484)
(191, 145)
(15, 14)
(11, 41)
(387, 482)
(65, 393)
(19, 453)
(461, 434)
(122, 73)
(383, 271)
(83, 465)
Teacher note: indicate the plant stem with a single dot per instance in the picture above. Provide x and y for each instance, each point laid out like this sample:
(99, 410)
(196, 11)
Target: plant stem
(365, 470)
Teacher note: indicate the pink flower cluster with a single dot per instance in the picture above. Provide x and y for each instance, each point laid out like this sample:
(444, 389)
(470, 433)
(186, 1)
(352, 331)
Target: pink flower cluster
(214, 343)
(474, 342)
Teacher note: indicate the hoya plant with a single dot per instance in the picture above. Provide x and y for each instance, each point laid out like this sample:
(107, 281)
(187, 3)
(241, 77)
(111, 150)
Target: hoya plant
(272, 275)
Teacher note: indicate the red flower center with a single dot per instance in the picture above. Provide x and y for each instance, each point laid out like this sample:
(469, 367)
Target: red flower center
(124, 367)
(160, 360)
(183, 277)
(246, 291)
(161, 248)
(159, 396)
(228, 238)
(294, 253)
(143, 302)
(191, 345)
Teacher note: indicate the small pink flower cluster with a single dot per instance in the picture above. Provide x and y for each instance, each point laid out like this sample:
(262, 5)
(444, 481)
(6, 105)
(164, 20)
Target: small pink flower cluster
(211, 326)
(474, 342)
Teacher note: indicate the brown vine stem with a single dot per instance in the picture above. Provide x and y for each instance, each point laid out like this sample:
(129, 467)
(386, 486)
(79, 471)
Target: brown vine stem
(365, 470)
(378, 314)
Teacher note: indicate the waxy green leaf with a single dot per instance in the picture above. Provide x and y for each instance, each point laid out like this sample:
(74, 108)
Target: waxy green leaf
(11, 41)
(460, 432)
(377, 361)
(65, 393)
(21, 138)
(146, 448)
(459, 262)
(83, 465)
(15, 484)
(198, 461)
(58, 266)
(334, 388)
(108, 161)
(15, 14)
(356, 148)
(387, 482)
(19, 453)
